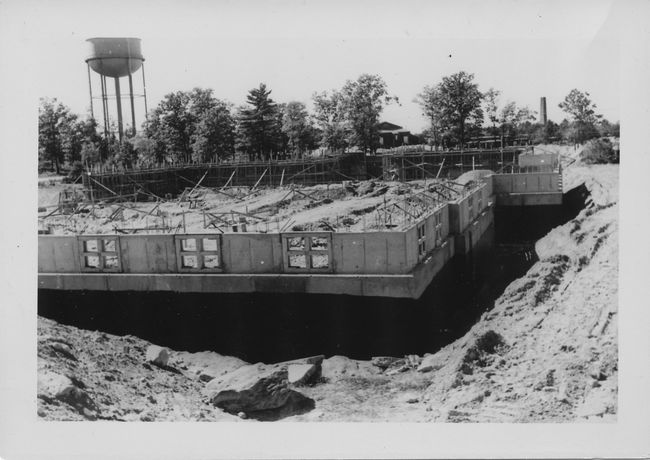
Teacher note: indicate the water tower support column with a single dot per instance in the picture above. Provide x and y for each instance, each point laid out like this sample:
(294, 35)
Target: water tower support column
(118, 98)
(132, 106)
(104, 105)
(144, 92)
(90, 88)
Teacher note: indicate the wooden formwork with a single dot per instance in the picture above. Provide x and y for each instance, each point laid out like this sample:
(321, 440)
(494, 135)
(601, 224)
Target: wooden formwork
(409, 166)
(405, 166)
(161, 182)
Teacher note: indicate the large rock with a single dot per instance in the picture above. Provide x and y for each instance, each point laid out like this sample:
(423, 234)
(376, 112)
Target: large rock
(300, 374)
(383, 362)
(206, 365)
(63, 349)
(57, 386)
(157, 355)
(250, 388)
(340, 367)
(431, 363)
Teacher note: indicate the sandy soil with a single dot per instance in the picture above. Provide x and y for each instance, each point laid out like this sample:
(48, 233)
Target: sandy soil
(546, 352)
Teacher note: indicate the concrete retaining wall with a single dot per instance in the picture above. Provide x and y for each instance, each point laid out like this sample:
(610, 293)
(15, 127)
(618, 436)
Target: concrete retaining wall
(543, 182)
(539, 160)
(241, 253)
(465, 209)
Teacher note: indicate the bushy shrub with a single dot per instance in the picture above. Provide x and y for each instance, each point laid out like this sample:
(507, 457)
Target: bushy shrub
(599, 151)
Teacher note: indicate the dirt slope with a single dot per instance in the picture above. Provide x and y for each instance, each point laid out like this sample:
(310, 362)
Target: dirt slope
(558, 325)
(546, 352)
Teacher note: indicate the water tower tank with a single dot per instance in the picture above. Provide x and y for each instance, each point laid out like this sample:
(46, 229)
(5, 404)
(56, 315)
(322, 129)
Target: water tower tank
(114, 56)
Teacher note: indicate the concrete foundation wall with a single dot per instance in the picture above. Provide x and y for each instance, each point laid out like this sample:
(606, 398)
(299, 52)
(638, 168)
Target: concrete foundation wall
(378, 252)
(527, 183)
(464, 210)
(469, 238)
(251, 253)
(154, 254)
(243, 253)
(527, 160)
(58, 254)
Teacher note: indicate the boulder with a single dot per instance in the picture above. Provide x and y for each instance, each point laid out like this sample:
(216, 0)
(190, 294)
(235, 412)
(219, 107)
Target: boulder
(206, 365)
(53, 385)
(430, 363)
(300, 374)
(63, 349)
(318, 360)
(157, 355)
(250, 388)
(383, 362)
(339, 367)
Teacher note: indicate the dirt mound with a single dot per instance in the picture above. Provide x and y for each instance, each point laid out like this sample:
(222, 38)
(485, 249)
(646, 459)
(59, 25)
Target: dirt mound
(551, 333)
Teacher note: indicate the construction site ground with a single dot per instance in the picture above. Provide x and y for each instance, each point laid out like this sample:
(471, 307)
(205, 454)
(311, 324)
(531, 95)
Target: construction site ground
(546, 352)
(346, 206)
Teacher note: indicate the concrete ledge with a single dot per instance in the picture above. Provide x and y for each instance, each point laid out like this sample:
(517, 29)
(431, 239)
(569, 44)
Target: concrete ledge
(529, 199)
(400, 286)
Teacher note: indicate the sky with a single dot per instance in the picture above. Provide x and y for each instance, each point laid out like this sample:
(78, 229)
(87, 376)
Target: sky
(297, 48)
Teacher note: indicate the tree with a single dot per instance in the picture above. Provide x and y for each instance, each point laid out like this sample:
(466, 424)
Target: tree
(430, 102)
(545, 133)
(460, 104)
(214, 134)
(258, 124)
(56, 123)
(583, 113)
(513, 117)
(297, 127)
(491, 98)
(145, 148)
(173, 124)
(363, 101)
(331, 119)
(608, 129)
(81, 133)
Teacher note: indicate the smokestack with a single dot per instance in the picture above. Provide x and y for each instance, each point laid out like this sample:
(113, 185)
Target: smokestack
(542, 110)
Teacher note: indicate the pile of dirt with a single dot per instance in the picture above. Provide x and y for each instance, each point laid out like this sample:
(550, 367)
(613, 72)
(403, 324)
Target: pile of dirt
(89, 375)
(556, 359)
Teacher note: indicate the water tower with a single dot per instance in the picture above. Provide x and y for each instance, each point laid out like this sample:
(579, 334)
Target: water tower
(115, 57)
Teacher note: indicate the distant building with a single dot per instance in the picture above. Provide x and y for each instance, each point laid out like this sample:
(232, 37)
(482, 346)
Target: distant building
(391, 135)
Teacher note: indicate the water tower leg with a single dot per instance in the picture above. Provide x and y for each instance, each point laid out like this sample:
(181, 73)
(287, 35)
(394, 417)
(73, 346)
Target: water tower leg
(132, 105)
(90, 88)
(118, 98)
(105, 105)
(144, 91)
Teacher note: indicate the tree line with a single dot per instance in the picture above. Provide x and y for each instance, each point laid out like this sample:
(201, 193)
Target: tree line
(196, 126)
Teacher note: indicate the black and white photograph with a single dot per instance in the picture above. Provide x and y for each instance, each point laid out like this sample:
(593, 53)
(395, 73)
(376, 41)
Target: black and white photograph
(309, 229)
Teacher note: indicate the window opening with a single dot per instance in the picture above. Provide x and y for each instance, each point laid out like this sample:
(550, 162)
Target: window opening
(111, 262)
(100, 254)
(422, 241)
(297, 261)
(307, 252)
(198, 253)
(92, 262)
